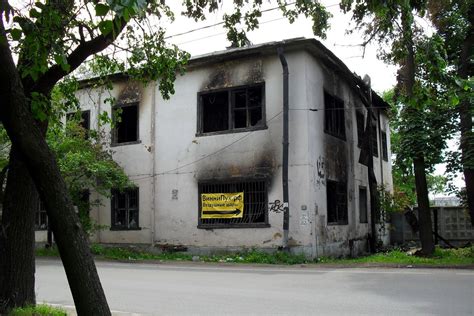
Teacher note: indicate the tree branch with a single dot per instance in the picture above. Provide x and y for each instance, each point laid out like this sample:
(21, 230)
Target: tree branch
(46, 82)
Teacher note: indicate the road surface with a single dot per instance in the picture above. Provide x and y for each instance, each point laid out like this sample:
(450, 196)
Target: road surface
(197, 289)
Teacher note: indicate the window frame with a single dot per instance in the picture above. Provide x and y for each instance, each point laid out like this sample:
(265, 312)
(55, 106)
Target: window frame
(364, 188)
(384, 146)
(360, 133)
(114, 131)
(374, 139)
(342, 135)
(231, 110)
(344, 221)
(113, 208)
(264, 224)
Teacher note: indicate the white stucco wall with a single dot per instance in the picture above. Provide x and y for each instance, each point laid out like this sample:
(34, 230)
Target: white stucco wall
(171, 157)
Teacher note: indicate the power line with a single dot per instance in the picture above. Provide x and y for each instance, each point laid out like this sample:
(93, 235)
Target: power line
(222, 22)
(172, 171)
(219, 23)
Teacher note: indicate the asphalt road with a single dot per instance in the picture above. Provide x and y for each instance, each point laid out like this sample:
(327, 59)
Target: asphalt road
(195, 289)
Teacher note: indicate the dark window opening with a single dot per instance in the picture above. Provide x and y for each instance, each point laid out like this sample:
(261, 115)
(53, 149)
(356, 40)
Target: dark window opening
(373, 139)
(232, 109)
(125, 209)
(334, 123)
(363, 205)
(215, 112)
(255, 212)
(83, 117)
(41, 218)
(126, 128)
(384, 146)
(360, 128)
(336, 202)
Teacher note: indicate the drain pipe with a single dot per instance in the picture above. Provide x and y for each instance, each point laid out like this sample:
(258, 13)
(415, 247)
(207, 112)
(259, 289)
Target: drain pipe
(286, 207)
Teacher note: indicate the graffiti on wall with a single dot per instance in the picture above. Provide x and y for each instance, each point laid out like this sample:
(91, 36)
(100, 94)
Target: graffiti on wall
(276, 206)
(320, 172)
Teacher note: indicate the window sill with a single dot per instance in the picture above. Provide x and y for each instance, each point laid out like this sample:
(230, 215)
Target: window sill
(126, 143)
(340, 137)
(227, 226)
(233, 131)
(124, 229)
(338, 224)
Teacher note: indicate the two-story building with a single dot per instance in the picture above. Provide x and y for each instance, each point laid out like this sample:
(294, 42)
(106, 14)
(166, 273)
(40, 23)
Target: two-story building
(207, 163)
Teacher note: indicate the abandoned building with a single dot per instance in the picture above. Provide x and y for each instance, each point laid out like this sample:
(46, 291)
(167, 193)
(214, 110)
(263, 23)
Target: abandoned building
(208, 166)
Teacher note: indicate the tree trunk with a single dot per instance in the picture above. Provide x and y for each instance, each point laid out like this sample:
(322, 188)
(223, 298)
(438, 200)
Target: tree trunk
(408, 82)
(424, 212)
(17, 267)
(465, 70)
(72, 242)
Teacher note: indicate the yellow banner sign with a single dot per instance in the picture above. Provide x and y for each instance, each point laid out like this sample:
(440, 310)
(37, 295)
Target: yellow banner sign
(222, 205)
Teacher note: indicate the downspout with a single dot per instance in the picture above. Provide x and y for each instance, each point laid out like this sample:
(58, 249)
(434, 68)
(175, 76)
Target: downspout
(381, 147)
(99, 109)
(286, 208)
(153, 156)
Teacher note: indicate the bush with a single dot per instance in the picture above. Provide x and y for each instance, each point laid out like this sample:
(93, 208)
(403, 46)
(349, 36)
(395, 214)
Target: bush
(38, 310)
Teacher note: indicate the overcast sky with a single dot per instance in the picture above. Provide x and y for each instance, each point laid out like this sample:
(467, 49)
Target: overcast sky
(276, 28)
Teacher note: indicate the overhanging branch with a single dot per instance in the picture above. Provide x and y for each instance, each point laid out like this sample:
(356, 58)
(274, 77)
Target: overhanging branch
(46, 82)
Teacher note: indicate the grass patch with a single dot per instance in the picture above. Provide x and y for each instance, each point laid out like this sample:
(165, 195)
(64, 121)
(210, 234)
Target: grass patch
(38, 310)
(451, 257)
(47, 252)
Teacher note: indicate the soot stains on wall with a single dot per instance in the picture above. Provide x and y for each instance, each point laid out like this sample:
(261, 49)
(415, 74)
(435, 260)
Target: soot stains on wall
(130, 93)
(233, 74)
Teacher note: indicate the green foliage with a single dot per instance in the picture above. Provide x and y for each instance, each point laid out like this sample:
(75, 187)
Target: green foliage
(441, 257)
(461, 256)
(85, 162)
(38, 310)
(4, 147)
(395, 202)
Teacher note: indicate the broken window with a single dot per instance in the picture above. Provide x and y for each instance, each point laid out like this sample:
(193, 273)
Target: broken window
(255, 201)
(126, 123)
(360, 127)
(41, 218)
(232, 109)
(336, 202)
(384, 146)
(373, 139)
(125, 209)
(363, 204)
(334, 123)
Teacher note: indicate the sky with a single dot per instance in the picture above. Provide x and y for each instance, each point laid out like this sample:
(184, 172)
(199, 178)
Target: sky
(274, 27)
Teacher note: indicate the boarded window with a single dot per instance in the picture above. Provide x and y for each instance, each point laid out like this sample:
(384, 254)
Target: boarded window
(360, 127)
(126, 126)
(384, 146)
(336, 202)
(334, 123)
(125, 209)
(41, 218)
(363, 205)
(231, 109)
(255, 201)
